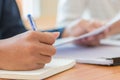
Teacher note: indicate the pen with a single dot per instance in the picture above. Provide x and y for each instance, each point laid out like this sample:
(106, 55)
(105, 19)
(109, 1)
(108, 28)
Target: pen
(32, 23)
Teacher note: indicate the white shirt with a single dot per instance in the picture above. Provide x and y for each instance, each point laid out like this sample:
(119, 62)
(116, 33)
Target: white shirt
(70, 10)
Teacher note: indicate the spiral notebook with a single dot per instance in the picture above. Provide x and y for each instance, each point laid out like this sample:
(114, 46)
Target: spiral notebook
(56, 66)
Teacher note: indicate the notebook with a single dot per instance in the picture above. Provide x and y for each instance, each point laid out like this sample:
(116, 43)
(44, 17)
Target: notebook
(101, 55)
(56, 66)
(95, 32)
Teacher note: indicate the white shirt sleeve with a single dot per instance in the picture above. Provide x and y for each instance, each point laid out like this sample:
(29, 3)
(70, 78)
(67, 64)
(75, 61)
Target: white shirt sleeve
(70, 10)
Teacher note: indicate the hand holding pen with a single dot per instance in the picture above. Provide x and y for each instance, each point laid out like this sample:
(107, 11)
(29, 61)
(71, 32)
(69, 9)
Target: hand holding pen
(31, 50)
(27, 51)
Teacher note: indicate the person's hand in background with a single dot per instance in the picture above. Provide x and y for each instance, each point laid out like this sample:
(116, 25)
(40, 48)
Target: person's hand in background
(115, 28)
(27, 51)
(81, 27)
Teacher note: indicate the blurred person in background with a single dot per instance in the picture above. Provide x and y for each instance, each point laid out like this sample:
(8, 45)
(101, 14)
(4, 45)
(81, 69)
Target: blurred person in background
(83, 13)
(70, 10)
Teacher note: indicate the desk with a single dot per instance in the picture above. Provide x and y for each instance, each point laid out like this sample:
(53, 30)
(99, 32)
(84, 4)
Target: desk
(81, 71)
(89, 72)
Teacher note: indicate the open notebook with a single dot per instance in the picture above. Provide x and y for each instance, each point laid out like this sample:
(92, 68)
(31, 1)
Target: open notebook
(56, 66)
(102, 55)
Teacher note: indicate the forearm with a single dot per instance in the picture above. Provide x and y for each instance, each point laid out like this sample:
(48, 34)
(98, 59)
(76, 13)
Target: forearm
(2, 53)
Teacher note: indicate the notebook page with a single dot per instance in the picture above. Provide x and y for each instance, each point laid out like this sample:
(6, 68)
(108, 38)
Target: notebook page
(56, 66)
(87, 53)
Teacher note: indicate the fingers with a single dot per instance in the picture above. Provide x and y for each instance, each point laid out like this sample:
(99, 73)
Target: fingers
(93, 25)
(42, 37)
(34, 66)
(44, 49)
(28, 51)
(48, 38)
(79, 31)
(85, 26)
(82, 26)
(88, 43)
(42, 59)
(56, 34)
(94, 40)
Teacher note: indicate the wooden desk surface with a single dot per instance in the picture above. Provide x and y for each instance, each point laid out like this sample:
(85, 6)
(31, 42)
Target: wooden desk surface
(89, 72)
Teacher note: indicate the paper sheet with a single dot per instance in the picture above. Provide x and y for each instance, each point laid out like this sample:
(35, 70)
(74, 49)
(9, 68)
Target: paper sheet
(112, 40)
(90, 54)
(95, 32)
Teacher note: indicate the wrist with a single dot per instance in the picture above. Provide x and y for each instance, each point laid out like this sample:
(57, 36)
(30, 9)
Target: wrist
(1, 53)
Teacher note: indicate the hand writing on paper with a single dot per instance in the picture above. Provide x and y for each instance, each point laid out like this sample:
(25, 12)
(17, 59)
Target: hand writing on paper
(27, 51)
(81, 27)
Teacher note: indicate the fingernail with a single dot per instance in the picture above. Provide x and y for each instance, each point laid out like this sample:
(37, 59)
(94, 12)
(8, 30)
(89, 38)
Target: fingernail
(56, 34)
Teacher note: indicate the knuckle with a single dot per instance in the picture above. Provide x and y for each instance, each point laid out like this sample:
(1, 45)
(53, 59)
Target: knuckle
(31, 34)
(37, 66)
(32, 67)
(53, 50)
(30, 60)
(52, 39)
(40, 66)
(31, 48)
(48, 59)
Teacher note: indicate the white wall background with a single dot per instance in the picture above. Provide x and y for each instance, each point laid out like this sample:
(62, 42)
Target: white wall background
(39, 7)
(32, 7)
